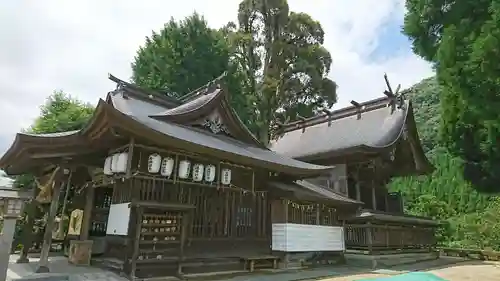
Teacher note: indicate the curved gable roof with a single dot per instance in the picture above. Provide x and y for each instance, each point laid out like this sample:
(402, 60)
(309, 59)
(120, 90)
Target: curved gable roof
(107, 117)
(370, 128)
(207, 100)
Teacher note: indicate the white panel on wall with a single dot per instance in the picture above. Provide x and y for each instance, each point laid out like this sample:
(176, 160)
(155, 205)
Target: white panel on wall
(291, 237)
(118, 219)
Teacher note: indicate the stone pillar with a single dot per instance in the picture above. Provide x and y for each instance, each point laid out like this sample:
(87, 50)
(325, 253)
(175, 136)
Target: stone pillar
(9, 227)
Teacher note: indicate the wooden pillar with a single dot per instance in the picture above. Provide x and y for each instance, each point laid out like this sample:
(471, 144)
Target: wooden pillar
(286, 258)
(358, 191)
(386, 201)
(374, 197)
(87, 213)
(369, 237)
(318, 217)
(49, 226)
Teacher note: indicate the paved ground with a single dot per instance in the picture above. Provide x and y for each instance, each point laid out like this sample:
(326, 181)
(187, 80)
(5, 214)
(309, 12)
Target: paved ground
(451, 269)
(59, 267)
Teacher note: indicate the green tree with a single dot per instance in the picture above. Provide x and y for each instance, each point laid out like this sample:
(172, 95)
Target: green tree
(60, 113)
(444, 194)
(282, 59)
(275, 59)
(183, 56)
(462, 39)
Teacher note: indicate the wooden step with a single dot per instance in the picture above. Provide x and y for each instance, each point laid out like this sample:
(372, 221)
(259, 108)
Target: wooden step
(195, 266)
(111, 264)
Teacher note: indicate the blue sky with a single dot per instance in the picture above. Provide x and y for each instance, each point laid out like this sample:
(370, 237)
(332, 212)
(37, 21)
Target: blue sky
(73, 45)
(392, 41)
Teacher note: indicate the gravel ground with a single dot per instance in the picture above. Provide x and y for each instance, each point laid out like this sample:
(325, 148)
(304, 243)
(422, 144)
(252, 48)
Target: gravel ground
(463, 271)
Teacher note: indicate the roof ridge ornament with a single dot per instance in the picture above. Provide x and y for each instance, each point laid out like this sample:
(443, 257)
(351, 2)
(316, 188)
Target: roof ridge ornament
(359, 108)
(203, 89)
(329, 114)
(303, 120)
(397, 99)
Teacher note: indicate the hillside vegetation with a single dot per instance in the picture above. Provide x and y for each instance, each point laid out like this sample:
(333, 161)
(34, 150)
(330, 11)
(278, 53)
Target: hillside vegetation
(472, 219)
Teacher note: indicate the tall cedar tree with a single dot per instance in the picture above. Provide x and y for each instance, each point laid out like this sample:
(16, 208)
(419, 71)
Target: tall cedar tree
(462, 39)
(281, 56)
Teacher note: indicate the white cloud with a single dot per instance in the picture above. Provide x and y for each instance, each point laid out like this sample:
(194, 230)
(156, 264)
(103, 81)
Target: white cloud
(72, 45)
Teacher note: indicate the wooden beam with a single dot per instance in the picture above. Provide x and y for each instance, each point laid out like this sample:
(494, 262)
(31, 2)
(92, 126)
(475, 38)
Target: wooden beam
(356, 104)
(62, 154)
(337, 114)
(301, 117)
(87, 213)
(60, 230)
(374, 196)
(49, 226)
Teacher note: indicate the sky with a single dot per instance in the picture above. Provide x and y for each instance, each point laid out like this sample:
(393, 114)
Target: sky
(72, 46)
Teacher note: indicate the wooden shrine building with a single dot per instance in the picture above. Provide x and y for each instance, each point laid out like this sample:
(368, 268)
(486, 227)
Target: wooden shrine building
(181, 186)
(368, 143)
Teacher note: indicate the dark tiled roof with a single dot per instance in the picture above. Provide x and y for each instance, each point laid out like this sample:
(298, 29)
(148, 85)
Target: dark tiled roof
(133, 106)
(224, 144)
(378, 126)
(137, 110)
(143, 93)
(367, 215)
(191, 105)
(308, 191)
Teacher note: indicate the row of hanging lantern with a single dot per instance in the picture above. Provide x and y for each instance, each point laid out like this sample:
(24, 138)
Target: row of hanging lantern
(116, 163)
(198, 172)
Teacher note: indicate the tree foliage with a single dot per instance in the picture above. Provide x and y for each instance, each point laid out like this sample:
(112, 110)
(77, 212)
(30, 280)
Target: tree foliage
(275, 59)
(185, 55)
(445, 195)
(462, 39)
(181, 57)
(60, 113)
(283, 61)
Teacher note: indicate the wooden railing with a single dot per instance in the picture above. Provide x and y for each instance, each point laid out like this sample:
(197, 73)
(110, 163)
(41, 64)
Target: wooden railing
(374, 237)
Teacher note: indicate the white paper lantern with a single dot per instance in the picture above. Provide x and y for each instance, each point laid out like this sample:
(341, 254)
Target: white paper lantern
(167, 166)
(119, 162)
(154, 163)
(225, 178)
(209, 173)
(184, 169)
(198, 172)
(107, 166)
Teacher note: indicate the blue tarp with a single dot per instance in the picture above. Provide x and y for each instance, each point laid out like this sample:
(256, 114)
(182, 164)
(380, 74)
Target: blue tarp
(412, 276)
